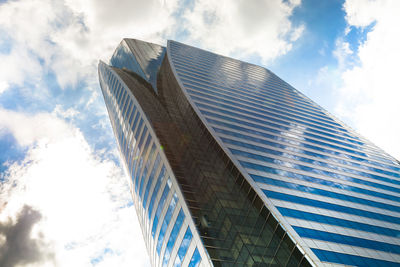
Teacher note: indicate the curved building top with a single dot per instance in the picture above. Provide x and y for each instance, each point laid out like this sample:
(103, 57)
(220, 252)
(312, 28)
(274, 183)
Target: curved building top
(140, 57)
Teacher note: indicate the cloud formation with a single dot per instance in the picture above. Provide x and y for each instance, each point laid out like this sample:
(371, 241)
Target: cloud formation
(82, 197)
(243, 28)
(17, 247)
(369, 95)
(69, 37)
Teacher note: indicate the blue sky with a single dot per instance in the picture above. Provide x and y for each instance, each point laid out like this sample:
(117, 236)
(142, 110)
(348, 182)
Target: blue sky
(58, 157)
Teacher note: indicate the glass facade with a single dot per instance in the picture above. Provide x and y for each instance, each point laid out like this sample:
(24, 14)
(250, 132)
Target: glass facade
(336, 193)
(154, 189)
(140, 57)
(231, 166)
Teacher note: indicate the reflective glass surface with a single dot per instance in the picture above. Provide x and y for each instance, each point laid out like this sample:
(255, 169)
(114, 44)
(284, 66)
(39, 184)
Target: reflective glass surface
(330, 187)
(308, 164)
(160, 207)
(151, 188)
(337, 221)
(155, 191)
(183, 248)
(140, 57)
(165, 222)
(352, 260)
(123, 58)
(195, 260)
(172, 238)
(151, 180)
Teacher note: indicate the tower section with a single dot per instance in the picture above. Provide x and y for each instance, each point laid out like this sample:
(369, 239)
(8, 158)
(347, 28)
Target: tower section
(168, 229)
(182, 182)
(231, 166)
(335, 193)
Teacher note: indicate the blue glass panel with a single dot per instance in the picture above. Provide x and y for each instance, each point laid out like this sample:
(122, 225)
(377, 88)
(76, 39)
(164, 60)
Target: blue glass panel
(280, 138)
(124, 58)
(205, 109)
(125, 105)
(337, 221)
(120, 98)
(128, 108)
(166, 221)
(291, 174)
(330, 206)
(196, 259)
(142, 159)
(146, 168)
(347, 240)
(354, 260)
(135, 158)
(271, 90)
(172, 237)
(135, 121)
(291, 148)
(118, 93)
(132, 113)
(141, 140)
(150, 181)
(143, 137)
(183, 248)
(139, 127)
(155, 191)
(160, 207)
(317, 170)
(248, 98)
(331, 184)
(234, 104)
(272, 117)
(326, 193)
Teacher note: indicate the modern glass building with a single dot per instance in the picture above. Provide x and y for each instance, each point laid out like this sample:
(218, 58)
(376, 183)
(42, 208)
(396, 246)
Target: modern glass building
(231, 166)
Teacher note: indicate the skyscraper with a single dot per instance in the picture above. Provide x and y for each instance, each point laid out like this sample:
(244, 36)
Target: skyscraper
(231, 166)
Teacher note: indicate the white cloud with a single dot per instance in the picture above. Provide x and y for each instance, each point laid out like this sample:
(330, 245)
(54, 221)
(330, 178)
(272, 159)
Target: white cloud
(243, 28)
(70, 37)
(296, 33)
(83, 199)
(370, 93)
(28, 130)
(342, 52)
(3, 86)
(18, 64)
(361, 13)
(67, 114)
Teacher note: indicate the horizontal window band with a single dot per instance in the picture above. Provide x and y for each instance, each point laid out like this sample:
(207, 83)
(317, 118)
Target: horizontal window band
(317, 171)
(267, 129)
(325, 193)
(347, 259)
(294, 146)
(330, 206)
(316, 163)
(285, 173)
(347, 240)
(257, 123)
(303, 215)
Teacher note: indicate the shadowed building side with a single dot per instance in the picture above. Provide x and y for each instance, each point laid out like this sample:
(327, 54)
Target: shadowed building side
(170, 234)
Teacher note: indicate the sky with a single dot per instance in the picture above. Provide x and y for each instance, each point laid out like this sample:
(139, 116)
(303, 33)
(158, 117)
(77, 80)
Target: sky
(64, 196)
